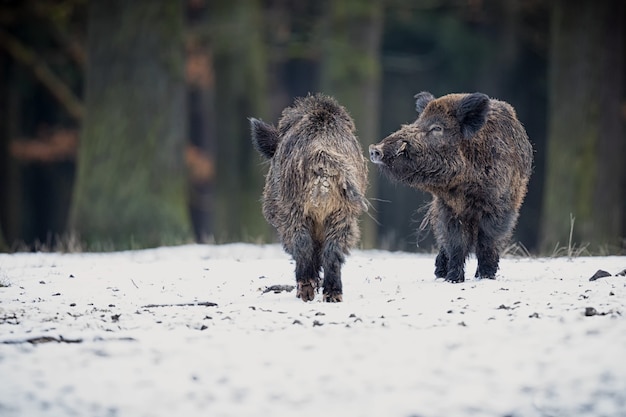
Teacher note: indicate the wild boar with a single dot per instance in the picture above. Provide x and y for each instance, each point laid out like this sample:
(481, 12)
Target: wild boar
(473, 155)
(314, 189)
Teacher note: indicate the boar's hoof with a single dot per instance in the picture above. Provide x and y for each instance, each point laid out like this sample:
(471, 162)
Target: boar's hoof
(455, 277)
(333, 297)
(484, 275)
(306, 290)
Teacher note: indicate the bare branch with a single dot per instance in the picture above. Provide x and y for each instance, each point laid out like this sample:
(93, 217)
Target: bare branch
(42, 72)
(192, 304)
(58, 28)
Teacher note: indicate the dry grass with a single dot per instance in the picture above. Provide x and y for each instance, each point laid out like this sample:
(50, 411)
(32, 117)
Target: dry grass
(516, 250)
(572, 250)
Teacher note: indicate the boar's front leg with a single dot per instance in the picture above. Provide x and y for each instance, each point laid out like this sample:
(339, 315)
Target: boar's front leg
(456, 246)
(441, 264)
(456, 265)
(306, 256)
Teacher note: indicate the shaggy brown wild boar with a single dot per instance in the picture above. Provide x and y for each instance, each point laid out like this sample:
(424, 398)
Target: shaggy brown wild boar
(472, 154)
(314, 189)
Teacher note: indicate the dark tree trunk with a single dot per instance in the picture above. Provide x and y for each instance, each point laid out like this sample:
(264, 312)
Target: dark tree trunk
(241, 77)
(4, 148)
(11, 188)
(130, 189)
(351, 73)
(586, 143)
(201, 116)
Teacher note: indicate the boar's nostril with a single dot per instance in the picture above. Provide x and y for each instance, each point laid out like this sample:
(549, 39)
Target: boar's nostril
(376, 155)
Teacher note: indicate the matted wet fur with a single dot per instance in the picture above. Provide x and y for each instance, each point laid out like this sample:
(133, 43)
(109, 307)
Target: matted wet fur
(314, 189)
(473, 155)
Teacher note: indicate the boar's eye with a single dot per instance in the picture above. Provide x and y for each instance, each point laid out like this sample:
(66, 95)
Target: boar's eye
(436, 129)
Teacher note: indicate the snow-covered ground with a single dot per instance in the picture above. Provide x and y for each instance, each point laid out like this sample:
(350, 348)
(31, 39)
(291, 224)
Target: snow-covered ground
(137, 334)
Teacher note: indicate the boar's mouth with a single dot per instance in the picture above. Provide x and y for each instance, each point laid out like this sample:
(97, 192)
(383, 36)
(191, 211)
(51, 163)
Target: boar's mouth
(376, 154)
(381, 154)
(394, 161)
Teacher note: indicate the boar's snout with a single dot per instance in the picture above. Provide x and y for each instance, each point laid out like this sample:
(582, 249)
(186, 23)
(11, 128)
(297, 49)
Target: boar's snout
(376, 153)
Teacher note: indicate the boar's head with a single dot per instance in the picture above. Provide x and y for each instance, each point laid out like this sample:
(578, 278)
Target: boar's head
(427, 152)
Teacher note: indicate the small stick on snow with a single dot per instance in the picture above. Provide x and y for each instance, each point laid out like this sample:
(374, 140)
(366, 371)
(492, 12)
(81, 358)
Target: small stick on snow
(199, 303)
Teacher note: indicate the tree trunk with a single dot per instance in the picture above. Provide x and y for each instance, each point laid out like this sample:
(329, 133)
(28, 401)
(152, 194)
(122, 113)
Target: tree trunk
(130, 190)
(241, 76)
(4, 147)
(201, 127)
(586, 142)
(11, 189)
(351, 73)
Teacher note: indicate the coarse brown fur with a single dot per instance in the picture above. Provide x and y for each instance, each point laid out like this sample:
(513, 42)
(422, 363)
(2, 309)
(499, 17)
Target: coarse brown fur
(315, 188)
(473, 155)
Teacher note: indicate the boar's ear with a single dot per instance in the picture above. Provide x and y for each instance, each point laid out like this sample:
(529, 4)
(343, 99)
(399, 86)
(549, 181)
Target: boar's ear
(472, 113)
(264, 137)
(421, 101)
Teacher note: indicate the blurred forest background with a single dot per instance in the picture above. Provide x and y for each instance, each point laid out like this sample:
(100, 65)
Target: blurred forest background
(123, 124)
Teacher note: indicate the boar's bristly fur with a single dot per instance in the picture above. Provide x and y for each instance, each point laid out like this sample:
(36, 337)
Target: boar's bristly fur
(473, 155)
(314, 189)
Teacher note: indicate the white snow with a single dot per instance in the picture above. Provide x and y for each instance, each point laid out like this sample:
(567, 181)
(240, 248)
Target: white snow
(401, 344)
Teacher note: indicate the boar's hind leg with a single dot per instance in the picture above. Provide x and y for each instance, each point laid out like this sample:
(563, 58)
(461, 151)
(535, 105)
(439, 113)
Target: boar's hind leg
(332, 260)
(488, 257)
(492, 231)
(340, 236)
(306, 255)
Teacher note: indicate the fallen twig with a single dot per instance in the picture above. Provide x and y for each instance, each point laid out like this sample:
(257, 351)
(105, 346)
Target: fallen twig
(196, 304)
(276, 289)
(42, 339)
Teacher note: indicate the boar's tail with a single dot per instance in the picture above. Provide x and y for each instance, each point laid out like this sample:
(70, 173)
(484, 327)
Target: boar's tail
(354, 195)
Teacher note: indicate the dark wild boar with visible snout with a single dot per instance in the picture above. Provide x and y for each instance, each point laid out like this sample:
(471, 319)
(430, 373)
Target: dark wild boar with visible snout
(314, 189)
(473, 155)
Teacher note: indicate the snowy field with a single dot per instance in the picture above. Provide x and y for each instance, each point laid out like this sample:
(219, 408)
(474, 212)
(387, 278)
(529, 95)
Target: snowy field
(194, 331)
